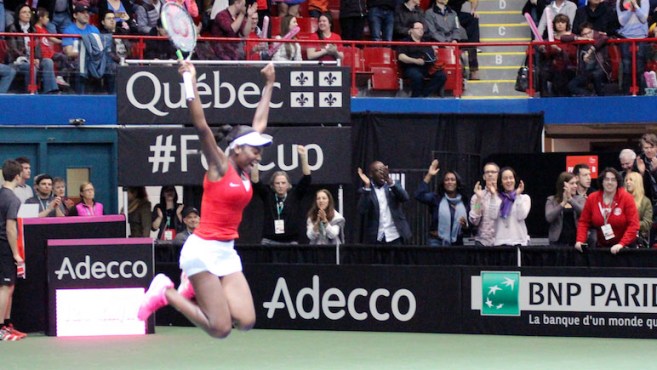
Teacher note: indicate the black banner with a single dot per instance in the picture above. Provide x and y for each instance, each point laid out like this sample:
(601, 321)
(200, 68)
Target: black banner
(302, 95)
(444, 299)
(173, 156)
(371, 298)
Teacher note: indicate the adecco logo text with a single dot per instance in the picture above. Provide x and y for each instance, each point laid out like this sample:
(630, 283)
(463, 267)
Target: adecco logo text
(85, 270)
(335, 304)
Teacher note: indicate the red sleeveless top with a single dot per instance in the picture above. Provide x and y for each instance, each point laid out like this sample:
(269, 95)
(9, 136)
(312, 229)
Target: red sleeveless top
(222, 206)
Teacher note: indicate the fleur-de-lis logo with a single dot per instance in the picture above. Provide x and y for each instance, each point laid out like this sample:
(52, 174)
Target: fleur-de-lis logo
(330, 100)
(302, 100)
(330, 79)
(302, 79)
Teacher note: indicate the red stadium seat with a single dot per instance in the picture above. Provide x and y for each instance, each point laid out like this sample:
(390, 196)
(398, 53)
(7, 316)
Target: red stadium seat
(448, 55)
(307, 24)
(384, 78)
(353, 57)
(275, 25)
(379, 56)
(615, 61)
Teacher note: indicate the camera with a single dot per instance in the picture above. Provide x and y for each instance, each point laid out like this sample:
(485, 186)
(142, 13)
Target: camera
(76, 121)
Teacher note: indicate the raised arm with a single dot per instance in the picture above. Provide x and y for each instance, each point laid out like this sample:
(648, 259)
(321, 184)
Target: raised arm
(217, 160)
(262, 111)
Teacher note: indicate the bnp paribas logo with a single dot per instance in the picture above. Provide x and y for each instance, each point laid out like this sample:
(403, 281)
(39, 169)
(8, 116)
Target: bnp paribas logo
(499, 291)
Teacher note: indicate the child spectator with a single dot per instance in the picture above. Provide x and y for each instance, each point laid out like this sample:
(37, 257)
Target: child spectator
(48, 44)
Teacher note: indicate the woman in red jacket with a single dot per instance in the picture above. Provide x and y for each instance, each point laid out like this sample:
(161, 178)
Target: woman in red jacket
(611, 211)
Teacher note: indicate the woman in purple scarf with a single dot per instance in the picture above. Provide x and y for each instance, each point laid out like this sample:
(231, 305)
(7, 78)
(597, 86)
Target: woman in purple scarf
(514, 206)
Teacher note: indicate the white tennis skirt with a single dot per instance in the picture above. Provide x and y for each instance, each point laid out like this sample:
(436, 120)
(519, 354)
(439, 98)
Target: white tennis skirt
(214, 256)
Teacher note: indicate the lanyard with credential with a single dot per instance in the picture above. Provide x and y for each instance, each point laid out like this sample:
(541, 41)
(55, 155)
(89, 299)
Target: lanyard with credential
(280, 204)
(605, 212)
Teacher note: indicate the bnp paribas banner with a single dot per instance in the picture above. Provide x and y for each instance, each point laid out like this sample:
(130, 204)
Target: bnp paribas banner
(230, 95)
(572, 302)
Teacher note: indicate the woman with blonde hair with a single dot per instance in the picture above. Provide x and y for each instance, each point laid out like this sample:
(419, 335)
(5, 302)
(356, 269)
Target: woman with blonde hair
(324, 225)
(634, 186)
(88, 205)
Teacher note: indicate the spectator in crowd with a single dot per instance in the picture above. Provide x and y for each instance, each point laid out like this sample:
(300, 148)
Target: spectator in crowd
(118, 51)
(442, 24)
(59, 189)
(646, 164)
(167, 215)
(88, 205)
(634, 186)
(147, 14)
(559, 61)
(633, 25)
(191, 220)
(352, 19)
(139, 212)
(562, 211)
(627, 159)
(18, 52)
(470, 21)
(583, 173)
(255, 48)
(49, 204)
(61, 12)
(611, 211)
(318, 7)
(234, 21)
(159, 49)
(325, 226)
(290, 7)
(535, 8)
(325, 51)
(406, 14)
(22, 190)
(264, 10)
(10, 258)
(47, 45)
(599, 14)
(565, 7)
(288, 51)
(282, 217)
(511, 210)
(449, 216)
(593, 66)
(121, 9)
(418, 63)
(7, 74)
(380, 14)
(71, 45)
(482, 206)
(3, 25)
(380, 203)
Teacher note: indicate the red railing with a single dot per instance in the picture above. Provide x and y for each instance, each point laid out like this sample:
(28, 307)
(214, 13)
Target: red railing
(139, 46)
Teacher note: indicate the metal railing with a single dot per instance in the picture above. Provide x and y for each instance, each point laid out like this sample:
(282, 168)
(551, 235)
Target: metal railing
(139, 44)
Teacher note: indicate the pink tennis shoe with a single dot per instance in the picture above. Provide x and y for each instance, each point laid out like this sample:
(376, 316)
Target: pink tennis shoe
(155, 297)
(185, 288)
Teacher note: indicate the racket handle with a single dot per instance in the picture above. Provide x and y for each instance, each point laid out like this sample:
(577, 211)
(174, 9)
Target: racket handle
(189, 88)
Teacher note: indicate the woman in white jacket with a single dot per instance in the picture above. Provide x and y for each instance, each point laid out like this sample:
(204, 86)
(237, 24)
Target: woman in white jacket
(511, 209)
(324, 225)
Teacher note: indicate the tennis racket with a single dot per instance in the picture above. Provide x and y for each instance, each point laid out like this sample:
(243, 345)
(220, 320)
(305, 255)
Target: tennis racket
(182, 32)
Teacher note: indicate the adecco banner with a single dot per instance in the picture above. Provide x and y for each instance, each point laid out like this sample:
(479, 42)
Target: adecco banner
(95, 286)
(230, 95)
(444, 299)
(372, 298)
(173, 156)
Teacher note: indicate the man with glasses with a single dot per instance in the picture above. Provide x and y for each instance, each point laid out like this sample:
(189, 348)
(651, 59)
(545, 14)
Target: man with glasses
(416, 62)
(481, 213)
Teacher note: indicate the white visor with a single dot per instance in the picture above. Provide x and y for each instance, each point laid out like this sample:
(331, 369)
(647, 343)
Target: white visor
(253, 138)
